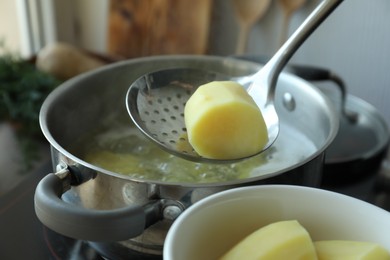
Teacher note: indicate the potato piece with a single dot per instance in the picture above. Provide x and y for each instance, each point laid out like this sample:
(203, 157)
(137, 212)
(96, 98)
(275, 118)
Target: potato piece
(350, 250)
(65, 61)
(223, 121)
(280, 240)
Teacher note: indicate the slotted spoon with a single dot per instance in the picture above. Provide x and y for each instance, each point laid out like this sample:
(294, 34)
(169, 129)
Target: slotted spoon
(156, 100)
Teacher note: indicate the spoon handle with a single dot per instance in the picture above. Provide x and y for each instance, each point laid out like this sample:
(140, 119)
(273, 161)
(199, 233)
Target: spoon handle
(270, 72)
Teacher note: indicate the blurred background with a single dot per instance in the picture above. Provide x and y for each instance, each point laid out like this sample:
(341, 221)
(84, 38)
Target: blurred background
(353, 42)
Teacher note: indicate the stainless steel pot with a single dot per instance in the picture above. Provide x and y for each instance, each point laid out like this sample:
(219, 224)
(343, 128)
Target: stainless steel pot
(84, 201)
(361, 143)
(360, 146)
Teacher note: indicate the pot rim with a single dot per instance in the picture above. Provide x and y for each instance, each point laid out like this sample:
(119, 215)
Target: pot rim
(50, 101)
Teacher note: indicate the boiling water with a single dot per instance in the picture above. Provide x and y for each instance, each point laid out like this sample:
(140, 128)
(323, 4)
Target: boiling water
(123, 149)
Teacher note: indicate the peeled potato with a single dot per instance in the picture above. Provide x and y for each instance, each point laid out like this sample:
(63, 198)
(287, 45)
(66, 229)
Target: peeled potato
(65, 61)
(223, 122)
(350, 250)
(280, 240)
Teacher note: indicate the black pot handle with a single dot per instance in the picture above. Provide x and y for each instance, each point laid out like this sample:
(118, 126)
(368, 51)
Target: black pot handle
(89, 224)
(312, 73)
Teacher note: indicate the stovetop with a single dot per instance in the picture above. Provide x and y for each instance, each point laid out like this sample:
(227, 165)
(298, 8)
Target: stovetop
(22, 236)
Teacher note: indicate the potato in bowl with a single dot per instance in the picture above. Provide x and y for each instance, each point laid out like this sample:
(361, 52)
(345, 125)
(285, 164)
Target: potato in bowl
(211, 227)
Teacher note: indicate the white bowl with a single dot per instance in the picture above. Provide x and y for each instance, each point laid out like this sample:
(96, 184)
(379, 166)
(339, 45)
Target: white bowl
(213, 225)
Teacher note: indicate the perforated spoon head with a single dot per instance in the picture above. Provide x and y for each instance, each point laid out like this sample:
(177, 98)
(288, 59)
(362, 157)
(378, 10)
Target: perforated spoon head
(156, 104)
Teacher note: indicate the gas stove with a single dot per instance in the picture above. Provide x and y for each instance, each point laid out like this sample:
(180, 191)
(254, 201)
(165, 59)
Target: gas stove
(24, 237)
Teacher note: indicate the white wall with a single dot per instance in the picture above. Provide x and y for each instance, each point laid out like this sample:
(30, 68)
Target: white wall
(354, 42)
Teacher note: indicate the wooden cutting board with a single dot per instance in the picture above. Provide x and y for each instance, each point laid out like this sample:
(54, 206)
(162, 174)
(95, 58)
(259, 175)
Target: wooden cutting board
(151, 27)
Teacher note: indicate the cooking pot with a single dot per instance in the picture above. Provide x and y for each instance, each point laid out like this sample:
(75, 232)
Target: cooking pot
(360, 146)
(120, 214)
(361, 143)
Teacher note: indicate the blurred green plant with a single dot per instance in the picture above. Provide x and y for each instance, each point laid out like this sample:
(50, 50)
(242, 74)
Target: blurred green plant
(23, 88)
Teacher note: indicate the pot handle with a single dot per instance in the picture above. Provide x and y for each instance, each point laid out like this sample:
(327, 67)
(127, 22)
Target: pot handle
(312, 73)
(88, 224)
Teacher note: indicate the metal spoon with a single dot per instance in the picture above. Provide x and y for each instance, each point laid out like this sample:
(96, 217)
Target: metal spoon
(156, 100)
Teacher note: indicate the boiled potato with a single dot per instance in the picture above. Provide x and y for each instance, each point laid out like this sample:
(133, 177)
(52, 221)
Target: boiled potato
(280, 240)
(223, 122)
(350, 250)
(65, 61)
(289, 240)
